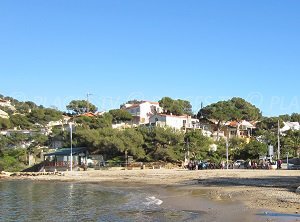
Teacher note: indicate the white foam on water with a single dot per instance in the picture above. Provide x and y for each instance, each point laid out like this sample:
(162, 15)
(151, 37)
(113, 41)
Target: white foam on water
(153, 201)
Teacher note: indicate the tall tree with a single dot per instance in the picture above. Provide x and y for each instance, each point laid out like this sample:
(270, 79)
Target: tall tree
(236, 146)
(198, 144)
(221, 112)
(176, 107)
(120, 115)
(235, 109)
(112, 142)
(269, 124)
(295, 117)
(81, 106)
(162, 143)
(244, 110)
(293, 141)
(253, 150)
(285, 118)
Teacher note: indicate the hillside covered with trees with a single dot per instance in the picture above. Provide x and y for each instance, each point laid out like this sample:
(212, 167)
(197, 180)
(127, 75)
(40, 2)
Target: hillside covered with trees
(144, 143)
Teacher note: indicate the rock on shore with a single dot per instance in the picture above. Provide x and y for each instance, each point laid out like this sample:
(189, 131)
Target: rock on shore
(5, 174)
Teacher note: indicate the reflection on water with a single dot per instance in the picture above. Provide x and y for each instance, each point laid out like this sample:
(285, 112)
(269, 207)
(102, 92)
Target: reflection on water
(281, 215)
(57, 201)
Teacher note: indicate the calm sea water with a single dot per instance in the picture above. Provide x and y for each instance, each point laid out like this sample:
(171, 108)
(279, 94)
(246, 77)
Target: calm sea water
(58, 201)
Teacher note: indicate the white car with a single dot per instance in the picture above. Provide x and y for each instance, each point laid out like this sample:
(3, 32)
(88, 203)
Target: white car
(239, 164)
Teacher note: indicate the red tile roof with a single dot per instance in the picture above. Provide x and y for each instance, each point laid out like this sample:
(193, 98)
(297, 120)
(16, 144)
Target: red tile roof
(89, 114)
(137, 105)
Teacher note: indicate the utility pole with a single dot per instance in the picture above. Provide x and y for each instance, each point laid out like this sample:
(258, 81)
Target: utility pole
(71, 140)
(188, 148)
(126, 159)
(287, 160)
(227, 149)
(227, 153)
(87, 101)
(278, 137)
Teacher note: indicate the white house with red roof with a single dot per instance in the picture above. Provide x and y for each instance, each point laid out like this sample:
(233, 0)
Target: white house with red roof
(143, 111)
(240, 129)
(175, 122)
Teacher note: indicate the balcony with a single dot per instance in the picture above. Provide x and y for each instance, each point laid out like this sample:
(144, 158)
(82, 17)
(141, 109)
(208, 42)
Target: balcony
(135, 113)
(192, 126)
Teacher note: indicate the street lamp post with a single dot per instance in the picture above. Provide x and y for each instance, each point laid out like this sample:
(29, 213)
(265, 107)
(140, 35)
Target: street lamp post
(188, 148)
(287, 160)
(126, 159)
(227, 146)
(71, 138)
(278, 138)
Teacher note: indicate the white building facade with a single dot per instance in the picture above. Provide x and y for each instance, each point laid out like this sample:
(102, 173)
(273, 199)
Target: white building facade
(294, 126)
(3, 114)
(143, 112)
(175, 122)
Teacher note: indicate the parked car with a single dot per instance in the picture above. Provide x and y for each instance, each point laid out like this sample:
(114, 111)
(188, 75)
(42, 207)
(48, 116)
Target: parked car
(239, 164)
(203, 166)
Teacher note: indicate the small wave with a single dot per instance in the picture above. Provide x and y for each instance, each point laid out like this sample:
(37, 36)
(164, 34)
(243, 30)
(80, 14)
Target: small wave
(153, 201)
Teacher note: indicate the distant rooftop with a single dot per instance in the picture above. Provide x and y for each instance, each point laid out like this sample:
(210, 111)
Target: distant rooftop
(67, 151)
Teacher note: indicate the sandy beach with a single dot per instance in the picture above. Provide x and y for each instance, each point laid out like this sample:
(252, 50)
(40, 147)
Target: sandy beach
(257, 189)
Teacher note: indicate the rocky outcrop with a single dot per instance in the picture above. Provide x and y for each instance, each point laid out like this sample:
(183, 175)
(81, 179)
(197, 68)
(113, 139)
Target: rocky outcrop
(32, 174)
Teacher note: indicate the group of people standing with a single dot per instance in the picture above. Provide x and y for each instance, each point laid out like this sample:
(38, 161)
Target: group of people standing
(199, 165)
(250, 164)
(263, 164)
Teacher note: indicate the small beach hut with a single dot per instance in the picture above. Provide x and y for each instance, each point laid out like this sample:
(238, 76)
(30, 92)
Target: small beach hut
(60, 159)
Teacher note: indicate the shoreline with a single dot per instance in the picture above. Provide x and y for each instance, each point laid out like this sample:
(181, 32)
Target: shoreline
(257, 189)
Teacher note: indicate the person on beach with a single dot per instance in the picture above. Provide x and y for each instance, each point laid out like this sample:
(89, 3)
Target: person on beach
(84, 166)
(222, 165)
(279, 162)
(249, 164)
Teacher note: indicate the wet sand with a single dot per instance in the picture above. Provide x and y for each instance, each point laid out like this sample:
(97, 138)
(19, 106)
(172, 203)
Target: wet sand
(254, 190)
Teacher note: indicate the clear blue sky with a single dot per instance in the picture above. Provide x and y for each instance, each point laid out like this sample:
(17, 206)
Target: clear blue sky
(53, 51)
